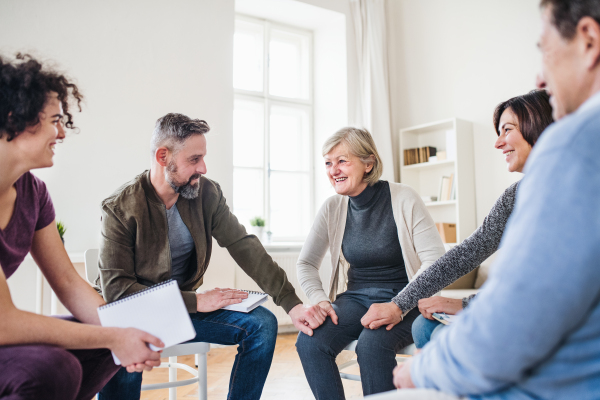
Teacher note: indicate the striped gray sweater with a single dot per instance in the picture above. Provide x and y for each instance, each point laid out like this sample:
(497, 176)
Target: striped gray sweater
(461, 259)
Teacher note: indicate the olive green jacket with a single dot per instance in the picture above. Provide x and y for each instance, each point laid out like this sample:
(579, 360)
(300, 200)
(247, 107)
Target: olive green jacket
(135, 252)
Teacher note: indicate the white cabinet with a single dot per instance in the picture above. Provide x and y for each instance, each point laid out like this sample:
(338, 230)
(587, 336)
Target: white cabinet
(425, 177)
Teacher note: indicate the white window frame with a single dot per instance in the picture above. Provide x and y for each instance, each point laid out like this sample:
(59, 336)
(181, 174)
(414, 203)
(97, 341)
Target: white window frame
(269, 100)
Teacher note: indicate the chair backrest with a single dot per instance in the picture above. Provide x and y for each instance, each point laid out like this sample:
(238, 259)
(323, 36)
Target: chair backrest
(91, 265)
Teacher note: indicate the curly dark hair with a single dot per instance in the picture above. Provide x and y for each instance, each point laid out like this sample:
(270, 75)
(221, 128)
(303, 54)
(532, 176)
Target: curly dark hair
(24, 87)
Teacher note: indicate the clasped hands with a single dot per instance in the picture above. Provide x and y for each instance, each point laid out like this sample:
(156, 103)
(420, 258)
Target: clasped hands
(378, 315)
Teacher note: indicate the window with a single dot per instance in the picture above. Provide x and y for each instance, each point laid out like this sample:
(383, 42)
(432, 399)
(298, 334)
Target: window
(273, 127)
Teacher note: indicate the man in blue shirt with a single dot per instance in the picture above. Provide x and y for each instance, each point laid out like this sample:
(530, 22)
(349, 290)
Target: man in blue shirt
(534, 330)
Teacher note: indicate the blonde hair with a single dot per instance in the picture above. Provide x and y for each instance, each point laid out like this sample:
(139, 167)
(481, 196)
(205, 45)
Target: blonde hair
(361, 144)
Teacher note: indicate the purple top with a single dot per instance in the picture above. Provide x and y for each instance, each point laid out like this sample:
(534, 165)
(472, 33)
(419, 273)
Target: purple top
(33, 211)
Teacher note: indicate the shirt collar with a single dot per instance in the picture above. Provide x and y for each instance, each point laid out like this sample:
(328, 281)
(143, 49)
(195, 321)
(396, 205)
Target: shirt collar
(590, 103)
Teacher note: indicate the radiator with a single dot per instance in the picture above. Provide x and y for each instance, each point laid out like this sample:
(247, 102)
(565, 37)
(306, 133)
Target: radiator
(287, 261)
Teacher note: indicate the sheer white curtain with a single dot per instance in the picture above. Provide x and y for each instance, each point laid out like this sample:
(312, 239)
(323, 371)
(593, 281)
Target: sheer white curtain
(373, 108)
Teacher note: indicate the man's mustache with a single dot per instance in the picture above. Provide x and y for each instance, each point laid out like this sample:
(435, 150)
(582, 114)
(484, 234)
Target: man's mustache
(195, 176)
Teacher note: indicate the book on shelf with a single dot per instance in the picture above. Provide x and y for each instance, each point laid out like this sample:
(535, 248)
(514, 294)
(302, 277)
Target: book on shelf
(444, 181)
(448, 194)
(453, 190)
(446, 188)
(418, 155)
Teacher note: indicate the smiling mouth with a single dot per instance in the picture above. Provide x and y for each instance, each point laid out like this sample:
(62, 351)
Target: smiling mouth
(508, 153)
(341, 179)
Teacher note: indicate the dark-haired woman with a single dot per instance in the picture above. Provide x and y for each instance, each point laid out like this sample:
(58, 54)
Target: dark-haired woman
(519, 122)
(44, 357)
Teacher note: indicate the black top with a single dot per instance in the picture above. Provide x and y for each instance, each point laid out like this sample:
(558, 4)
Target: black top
(371, 244)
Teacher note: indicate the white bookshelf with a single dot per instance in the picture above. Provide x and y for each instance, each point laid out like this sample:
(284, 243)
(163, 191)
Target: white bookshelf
(425, 177)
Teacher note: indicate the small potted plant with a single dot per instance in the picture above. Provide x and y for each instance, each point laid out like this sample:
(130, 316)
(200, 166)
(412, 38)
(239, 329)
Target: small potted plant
(62, 229)
(258, 226)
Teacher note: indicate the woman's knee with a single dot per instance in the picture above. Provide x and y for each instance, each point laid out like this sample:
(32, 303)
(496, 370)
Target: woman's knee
(313, 346)
(304, 345)
(46, 372)
(376, 343)
(422, 329)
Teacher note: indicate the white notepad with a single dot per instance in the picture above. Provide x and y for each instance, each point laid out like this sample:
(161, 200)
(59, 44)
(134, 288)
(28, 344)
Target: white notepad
(158, 310)
(444, 318)
(253, 300)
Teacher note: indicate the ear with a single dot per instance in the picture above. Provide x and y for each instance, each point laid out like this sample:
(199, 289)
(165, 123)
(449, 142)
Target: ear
(161, 156)
(370, 164)
(588, 30)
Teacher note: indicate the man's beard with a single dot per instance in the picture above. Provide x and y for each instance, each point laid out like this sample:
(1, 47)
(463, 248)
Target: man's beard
(186, 189)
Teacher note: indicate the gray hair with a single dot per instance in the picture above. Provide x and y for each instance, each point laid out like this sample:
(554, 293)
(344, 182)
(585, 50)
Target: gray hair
(566, 14)
(172, 130)
(361, 144)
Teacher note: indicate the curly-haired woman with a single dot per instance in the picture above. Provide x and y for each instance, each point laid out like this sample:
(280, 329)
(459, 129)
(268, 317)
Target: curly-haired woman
(45, 357)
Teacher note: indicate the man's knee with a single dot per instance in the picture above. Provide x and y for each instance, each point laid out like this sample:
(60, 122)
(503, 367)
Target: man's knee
(123, 385)
(45, 372)
(264, 326)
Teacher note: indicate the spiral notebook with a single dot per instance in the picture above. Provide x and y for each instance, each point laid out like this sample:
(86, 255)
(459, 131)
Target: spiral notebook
(158, 310)
(253, 300)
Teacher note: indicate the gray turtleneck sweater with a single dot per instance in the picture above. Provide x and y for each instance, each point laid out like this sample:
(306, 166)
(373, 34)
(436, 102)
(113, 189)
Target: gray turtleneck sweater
(371, 244)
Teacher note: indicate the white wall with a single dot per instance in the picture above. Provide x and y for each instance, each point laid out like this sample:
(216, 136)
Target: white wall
(461, 58)
(134, 61)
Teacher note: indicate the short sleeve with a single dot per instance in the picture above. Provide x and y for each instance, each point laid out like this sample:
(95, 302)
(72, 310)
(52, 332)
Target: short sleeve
(46, 209)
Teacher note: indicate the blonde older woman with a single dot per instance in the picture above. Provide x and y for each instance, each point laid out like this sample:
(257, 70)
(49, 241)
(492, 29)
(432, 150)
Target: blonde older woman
(380, 236)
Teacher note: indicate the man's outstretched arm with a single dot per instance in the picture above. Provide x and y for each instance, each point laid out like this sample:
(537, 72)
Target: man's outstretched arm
(249, 253)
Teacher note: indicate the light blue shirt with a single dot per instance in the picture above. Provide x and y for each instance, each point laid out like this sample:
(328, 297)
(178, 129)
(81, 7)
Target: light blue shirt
(534, 330)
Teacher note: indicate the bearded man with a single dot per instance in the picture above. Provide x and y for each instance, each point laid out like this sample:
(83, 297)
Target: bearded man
(160, 226)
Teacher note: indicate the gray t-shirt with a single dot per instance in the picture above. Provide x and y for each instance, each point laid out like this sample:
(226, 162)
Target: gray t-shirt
(181, 244)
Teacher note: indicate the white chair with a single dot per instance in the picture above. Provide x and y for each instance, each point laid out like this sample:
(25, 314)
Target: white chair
(200, 349)
(407, 351)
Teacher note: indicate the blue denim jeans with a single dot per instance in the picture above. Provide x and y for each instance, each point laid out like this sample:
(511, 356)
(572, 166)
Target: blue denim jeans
(376, 349)
(424, 330)
(254, 333)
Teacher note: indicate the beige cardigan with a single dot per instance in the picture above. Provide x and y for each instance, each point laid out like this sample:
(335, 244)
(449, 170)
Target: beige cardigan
(420, 241)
